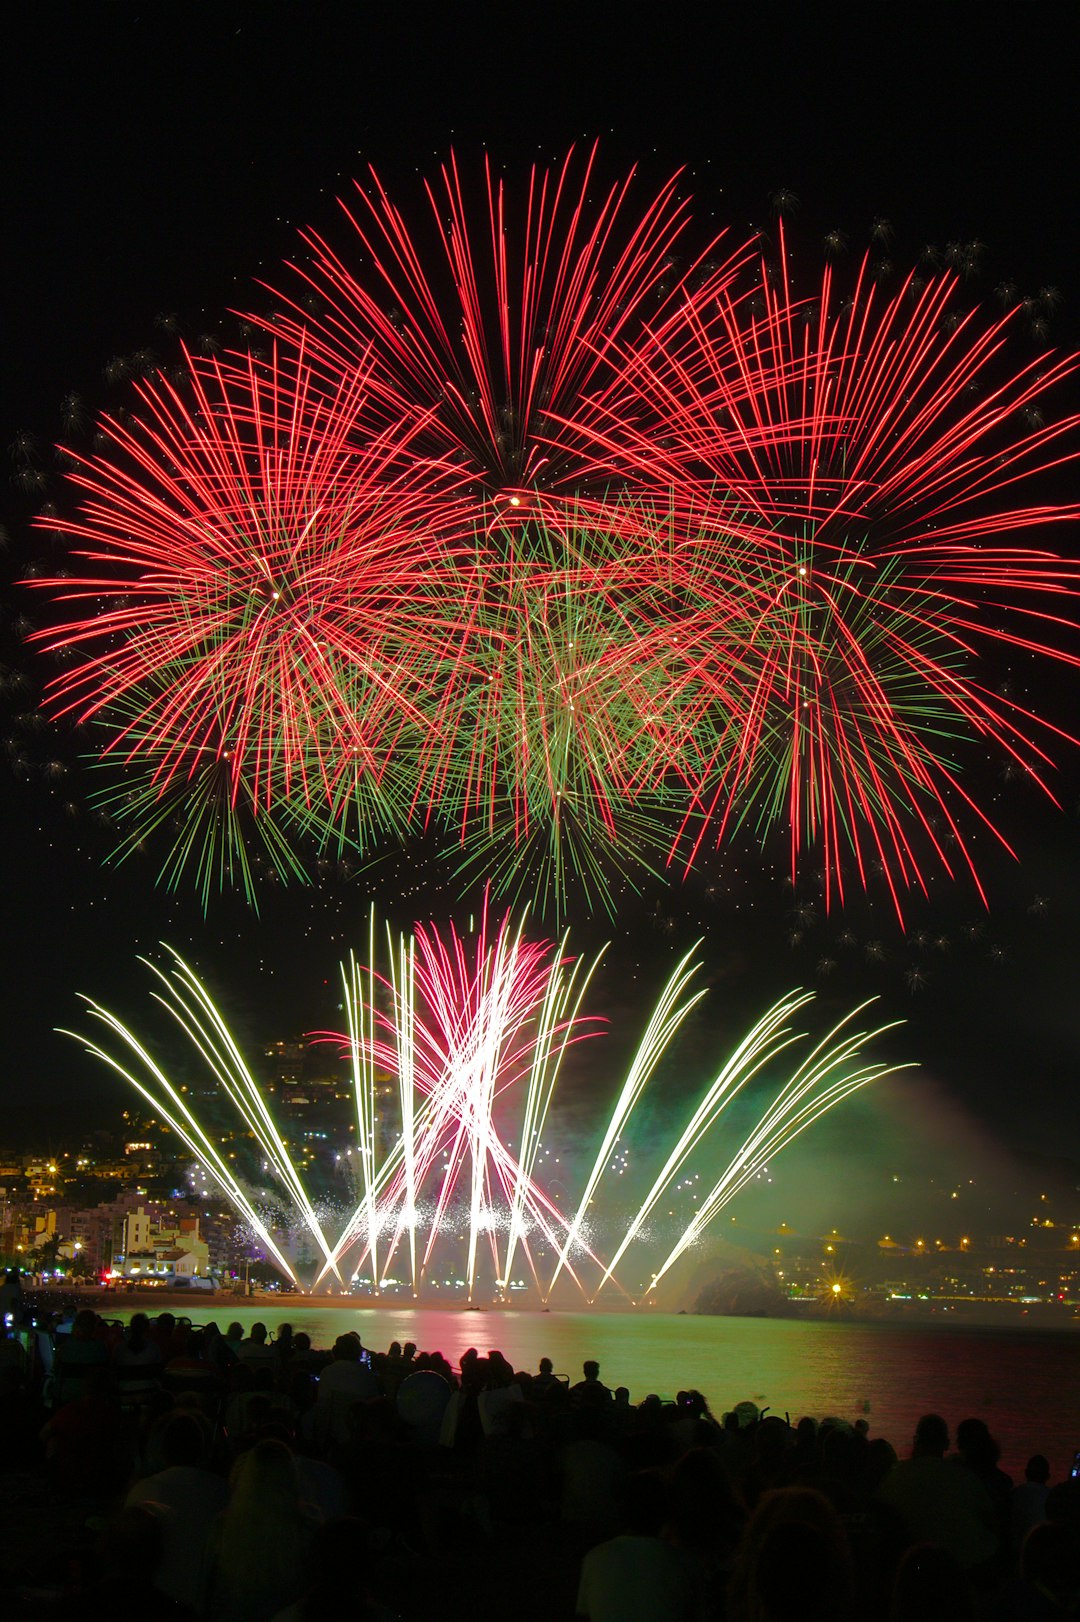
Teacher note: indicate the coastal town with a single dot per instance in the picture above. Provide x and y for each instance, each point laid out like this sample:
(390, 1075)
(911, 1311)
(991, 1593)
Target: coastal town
(129, 1211)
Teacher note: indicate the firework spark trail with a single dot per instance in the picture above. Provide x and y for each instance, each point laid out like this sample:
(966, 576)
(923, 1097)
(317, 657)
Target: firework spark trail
(584, 559)
(769, 1037)
(166, 1101)
(561, 757)
(541, 308)
(480, 1029)
(211, 1037)
(469, 1024)
(486, 1027)
(869, 445)
(360, 1010)
(559, 1017)
(262, 573)
(665, 1021)
(822, 1081)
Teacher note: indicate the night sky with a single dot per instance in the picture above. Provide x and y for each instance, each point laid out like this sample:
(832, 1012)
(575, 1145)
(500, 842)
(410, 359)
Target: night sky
(159, 159)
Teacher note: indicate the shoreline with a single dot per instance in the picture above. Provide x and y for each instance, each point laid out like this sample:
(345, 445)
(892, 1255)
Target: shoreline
(995, 1315)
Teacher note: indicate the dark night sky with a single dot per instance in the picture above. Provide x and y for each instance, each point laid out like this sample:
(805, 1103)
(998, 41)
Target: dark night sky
(159, 158)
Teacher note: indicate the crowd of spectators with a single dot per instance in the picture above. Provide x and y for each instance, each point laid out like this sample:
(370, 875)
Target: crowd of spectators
(202, 1473)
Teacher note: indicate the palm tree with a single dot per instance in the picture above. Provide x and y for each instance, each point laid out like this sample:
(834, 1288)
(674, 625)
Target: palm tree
(45, 1256)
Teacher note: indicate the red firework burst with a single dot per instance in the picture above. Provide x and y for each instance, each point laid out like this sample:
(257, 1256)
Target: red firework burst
(386, 581)
(885, 448)
(514, 334)
(266, 582)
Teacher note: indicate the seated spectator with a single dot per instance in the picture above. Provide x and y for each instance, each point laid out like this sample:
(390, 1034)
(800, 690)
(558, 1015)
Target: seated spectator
(705, 1514)
(636, 1574)
(930, 1587)
(591, 1470)
(12, 1300)
(283, 1348)
(215, 1351)
(137, 1361)
(590, 1389)
(131, 1549)
(262, 1540)
(83, 1440)
(1049, 1575)
(12, 1352)
(302, 1355)
(255, 1348)
(187, 1499)
(794, 1564)
(76, 1355)
(977, 1451)
(346, 1380)
(938, 1503)
(1029, 1500)
(545, 1381)
(163, 1333)
(336, 1584)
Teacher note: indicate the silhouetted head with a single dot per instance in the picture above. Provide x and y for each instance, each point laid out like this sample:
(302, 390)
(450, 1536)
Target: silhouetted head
(930, 1586)
(84, 1325)
(1048, 1561)
(931, 1437)
(182, 1441)
(975, 1444)
(794, 1564)
(591, 1370)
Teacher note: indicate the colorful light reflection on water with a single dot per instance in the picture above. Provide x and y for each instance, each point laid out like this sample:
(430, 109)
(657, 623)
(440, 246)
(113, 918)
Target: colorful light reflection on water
(1021, 1381)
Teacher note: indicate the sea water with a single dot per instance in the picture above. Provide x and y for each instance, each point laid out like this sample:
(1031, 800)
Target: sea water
(1023, 1382)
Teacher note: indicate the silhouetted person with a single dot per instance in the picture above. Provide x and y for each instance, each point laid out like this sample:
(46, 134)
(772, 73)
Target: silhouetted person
(1029, 1500)
(930, 1587)
(255, 1349)
(188, 1499)
(1049, 1575)
(937, 1502)
(544, 1382)
(636, 1574)
(262, 1541)
(344, 1381)
(590, 1390)
(794, 1564)
(977, 1451)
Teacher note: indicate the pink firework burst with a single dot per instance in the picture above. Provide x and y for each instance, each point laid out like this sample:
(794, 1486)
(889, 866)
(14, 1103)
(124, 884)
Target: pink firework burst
(457, 1024)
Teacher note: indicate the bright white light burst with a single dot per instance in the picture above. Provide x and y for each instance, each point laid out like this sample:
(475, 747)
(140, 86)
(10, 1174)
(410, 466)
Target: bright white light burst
(468, 1035)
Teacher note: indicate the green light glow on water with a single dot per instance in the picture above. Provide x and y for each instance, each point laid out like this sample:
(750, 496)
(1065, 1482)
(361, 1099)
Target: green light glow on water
(1022, 1382)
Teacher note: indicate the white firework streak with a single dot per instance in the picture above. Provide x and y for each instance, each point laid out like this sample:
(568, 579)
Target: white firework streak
(467, 1025)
